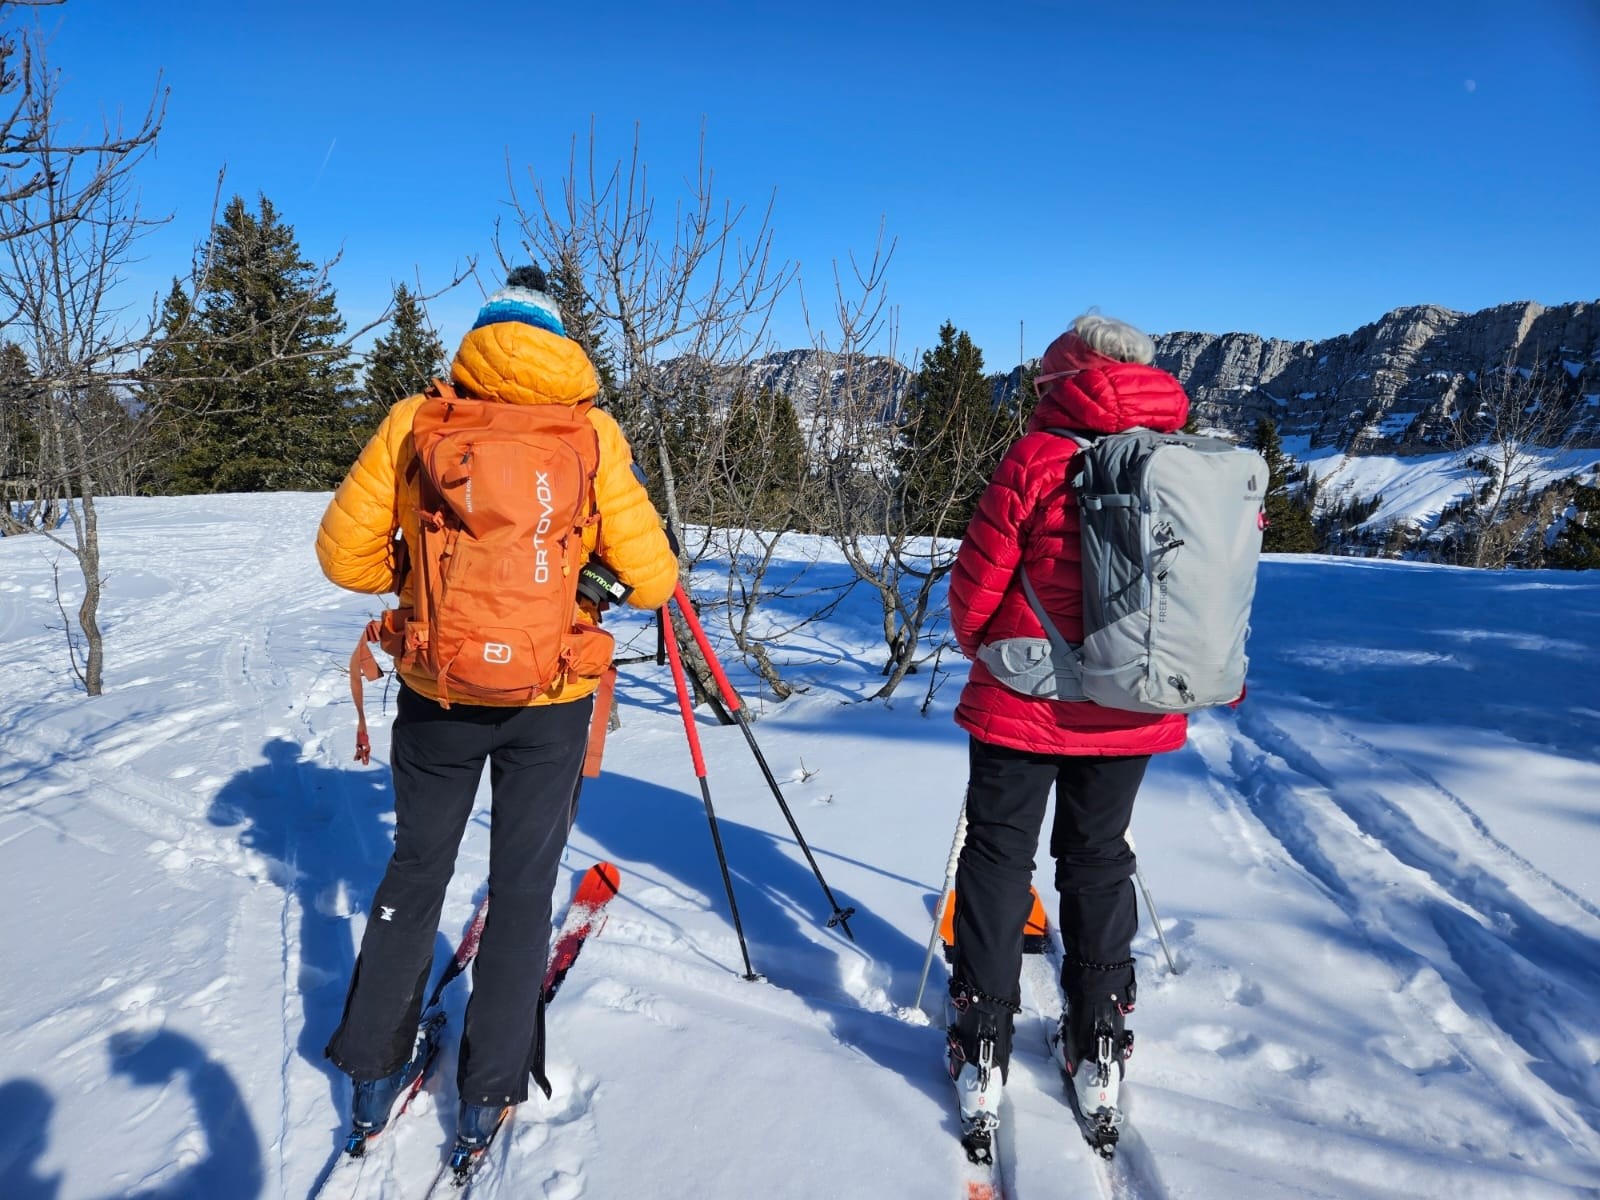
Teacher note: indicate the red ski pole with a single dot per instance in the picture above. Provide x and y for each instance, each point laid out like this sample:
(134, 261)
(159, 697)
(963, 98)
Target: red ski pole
(736, 707)
(686, 708)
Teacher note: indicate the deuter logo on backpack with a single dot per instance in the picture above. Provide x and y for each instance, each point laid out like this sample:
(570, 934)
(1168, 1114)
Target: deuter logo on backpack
(1171, 538)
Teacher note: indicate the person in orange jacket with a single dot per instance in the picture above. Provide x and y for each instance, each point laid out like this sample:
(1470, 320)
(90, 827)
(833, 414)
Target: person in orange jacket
(517, 352)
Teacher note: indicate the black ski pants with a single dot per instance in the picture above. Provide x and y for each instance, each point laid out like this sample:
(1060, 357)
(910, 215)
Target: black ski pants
(1008, 792)
(437, 756)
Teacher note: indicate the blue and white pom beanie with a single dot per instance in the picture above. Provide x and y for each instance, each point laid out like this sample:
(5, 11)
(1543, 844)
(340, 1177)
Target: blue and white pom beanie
(522, 299)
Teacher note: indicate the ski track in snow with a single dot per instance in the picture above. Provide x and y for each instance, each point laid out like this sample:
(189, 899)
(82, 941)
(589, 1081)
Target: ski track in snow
(1495, 957)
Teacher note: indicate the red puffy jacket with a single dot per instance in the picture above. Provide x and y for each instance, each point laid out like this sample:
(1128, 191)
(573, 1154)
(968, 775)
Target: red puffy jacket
(1028, 517)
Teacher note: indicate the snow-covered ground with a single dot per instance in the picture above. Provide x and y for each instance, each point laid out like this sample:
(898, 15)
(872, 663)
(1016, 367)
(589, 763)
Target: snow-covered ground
(1379, 877)
(1417, 488)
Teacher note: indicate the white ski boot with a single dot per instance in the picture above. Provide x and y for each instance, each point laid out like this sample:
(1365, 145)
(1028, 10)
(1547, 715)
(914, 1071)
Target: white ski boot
(979, 1047)
(1096, 1081)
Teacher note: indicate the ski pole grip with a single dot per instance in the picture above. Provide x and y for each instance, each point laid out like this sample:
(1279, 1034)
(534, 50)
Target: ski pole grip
(730, 696)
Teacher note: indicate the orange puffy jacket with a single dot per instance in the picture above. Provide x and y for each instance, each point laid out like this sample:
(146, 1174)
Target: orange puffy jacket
(513, 363)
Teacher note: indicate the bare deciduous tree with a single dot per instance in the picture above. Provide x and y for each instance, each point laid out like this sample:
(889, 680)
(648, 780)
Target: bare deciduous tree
(898, 540)
(70, 222)
(683, 290)
(67, 228)
(694, 285)
(1504, 437)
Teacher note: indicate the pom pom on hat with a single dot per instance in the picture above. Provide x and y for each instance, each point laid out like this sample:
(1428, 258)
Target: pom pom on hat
(522, 299)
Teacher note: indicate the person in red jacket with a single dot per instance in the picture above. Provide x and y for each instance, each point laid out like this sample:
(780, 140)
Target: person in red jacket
(1094, 379)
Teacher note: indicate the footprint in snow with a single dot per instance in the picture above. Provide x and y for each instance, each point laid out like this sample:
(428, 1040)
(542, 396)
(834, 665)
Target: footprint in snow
(619, 997)
(563, 1185)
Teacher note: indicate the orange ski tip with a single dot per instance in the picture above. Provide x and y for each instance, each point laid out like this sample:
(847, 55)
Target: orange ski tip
(1036, 925)
(947, 922)
(981, 1191)
(600, 882)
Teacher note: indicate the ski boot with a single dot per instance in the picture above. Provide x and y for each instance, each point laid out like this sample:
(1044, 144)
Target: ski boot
(979, 1041)
(373, 1102)
(476, 1125)
(1093, 1061)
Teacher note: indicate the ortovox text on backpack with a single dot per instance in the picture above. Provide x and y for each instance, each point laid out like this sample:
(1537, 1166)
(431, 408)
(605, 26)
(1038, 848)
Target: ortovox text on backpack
(1171, 536)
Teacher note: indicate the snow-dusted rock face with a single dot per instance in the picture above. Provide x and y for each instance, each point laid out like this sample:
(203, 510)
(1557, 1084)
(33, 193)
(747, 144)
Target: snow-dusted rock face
(1389, 386)
(807, 377)
(810, 378)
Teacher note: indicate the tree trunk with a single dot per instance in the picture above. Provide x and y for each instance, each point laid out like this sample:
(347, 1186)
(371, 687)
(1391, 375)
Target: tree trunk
(88, 611)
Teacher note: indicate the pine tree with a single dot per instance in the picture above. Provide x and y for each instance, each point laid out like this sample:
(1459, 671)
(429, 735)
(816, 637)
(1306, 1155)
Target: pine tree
(763, 458)
(19, 435)
(1577, 548)
(688, 423)
(255, 391)
(1289, 526)
(583, 324)
(950, 436)
(1024, 400)
(403, 362)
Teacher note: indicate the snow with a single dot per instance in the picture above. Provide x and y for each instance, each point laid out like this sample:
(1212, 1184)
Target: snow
(1378, 877)
(1416, 488)
(1395, 423)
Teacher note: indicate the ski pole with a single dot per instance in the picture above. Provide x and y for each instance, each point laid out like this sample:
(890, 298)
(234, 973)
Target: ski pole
(944, 897)
(681, 683)
(734, 705)
(1155, 917)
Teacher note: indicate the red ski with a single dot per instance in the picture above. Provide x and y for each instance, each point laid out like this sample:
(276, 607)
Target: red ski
(599, 883)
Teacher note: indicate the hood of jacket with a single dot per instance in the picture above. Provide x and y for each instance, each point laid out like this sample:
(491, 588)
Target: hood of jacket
(522, 364)
(1103, 395)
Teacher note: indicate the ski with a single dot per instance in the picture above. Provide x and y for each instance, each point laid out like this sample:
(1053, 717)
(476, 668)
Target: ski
(981, 1181)
(585, 917)
(1102, 1129)
(599, 883)
(349, 1161)
(465, 1164)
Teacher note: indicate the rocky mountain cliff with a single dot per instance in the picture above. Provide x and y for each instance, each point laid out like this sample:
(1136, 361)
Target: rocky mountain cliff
(1389, 387)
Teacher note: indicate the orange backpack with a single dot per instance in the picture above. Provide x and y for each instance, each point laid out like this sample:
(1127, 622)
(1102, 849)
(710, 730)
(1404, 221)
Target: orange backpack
(504, 495)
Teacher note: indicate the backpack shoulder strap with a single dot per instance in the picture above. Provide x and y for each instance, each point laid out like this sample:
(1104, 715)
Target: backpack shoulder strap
(1064, 650)
(1083, 442)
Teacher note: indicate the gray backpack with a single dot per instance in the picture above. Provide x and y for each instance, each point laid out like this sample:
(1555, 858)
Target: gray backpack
(1171, 537)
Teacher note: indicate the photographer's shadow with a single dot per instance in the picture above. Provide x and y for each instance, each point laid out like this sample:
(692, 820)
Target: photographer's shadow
(231, 1165)
(232, 1162)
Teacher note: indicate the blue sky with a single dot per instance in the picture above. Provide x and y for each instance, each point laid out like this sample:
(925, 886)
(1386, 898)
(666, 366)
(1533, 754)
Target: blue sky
(1294, 170)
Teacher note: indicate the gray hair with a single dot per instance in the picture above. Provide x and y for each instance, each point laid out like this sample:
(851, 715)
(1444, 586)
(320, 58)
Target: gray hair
(1115, 339)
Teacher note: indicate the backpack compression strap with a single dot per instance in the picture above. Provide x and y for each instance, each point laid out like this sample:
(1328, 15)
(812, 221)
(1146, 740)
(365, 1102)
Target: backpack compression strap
(599, 722)
(363, 666)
